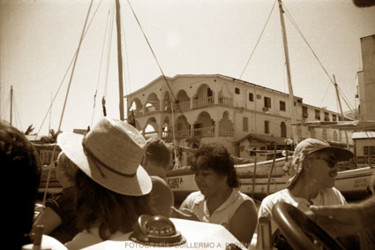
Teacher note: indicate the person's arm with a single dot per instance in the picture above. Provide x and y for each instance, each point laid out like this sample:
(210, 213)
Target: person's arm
(49, 218)
(243, 223)
(183, 213)
(343, 220)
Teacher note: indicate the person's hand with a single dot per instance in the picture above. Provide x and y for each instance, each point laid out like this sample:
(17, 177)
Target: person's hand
(337, 220)
(183, 214)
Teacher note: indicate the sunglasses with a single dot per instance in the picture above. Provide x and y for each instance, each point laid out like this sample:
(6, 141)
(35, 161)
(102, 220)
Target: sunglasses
(331, 162)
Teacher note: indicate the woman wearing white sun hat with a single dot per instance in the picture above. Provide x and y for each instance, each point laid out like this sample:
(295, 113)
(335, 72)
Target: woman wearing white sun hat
(112, 188)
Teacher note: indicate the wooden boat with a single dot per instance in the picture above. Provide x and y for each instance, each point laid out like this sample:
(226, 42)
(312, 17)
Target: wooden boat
(353, 183)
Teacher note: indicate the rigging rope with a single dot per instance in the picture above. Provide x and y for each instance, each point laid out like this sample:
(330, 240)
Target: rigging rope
(260, 36)
(66, 72)
(312, 51)
(164, 77)
(152, 51)
(108, 63)
(66, 96)
(100, 64)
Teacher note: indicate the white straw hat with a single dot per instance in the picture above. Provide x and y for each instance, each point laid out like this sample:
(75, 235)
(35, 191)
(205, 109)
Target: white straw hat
(110, 154)
(309, 146)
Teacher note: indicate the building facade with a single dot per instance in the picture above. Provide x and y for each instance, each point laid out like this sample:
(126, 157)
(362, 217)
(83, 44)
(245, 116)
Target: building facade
(242, 116)
(366, 79)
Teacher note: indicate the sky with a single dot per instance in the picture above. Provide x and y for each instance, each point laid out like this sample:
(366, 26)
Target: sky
(38, 39)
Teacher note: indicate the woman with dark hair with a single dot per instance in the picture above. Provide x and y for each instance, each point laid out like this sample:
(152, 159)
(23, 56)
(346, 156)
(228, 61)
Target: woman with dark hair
(112, 188)
(20, 162)
(219, 199)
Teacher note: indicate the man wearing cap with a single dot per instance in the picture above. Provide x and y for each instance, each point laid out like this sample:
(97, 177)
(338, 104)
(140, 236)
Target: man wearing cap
(314, 168)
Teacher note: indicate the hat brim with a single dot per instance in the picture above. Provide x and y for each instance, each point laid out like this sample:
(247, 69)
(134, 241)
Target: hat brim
(340, 153)
(134, 185)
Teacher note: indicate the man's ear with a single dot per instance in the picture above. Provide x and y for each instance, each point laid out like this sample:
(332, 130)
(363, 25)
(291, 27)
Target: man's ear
(306, 165)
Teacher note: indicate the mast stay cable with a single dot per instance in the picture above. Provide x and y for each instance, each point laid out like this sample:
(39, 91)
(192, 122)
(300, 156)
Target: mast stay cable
(66, 73)
(312, 51)
(256, 44)
(66, 97)
(100, 64)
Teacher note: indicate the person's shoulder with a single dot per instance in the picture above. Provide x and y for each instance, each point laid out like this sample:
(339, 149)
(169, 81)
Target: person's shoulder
(275, 197)
(160, 186)
(158, 180)
(331, 191)
(84, 239)
(334, 193)
(195, 196)
(47, 242)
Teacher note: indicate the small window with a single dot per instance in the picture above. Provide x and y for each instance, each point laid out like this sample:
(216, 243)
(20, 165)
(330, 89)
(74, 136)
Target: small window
(317, 114)
(282, 106)
(334, 117)
(251, 97)
(305, 114)
(326, 116)
(267, 102)
(369, 150)
(266, 127)
(237, 91)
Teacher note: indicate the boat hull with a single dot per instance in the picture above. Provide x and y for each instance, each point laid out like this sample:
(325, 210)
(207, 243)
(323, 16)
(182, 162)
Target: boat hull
(354, 184)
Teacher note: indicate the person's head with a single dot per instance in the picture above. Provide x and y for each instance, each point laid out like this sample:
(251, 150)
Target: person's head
(315, 161)
(65, 170)
(214, 166)
(112, 188)
(20, 162)
(157, 156)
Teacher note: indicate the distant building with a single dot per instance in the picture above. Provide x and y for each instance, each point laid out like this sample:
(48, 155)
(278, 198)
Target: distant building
(366, 79)
(242, 116)
(364, 148)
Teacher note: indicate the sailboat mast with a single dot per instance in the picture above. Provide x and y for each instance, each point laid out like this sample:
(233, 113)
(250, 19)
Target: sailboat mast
(11, 105)
(340, 106)
(119, 59)
(290, 87)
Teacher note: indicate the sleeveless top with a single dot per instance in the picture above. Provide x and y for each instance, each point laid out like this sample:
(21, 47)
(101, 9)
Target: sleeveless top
(223, 214)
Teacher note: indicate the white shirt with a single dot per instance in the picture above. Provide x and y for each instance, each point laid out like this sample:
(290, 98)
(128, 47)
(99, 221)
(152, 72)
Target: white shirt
(327, 196)
(196, 202)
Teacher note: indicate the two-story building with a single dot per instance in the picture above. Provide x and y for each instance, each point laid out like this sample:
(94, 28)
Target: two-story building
(243, 116)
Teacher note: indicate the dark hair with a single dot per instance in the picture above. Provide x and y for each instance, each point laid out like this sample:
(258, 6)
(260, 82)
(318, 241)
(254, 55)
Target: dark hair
(157, 150)
(20, 162)
(68, 167)
(217, 158)
(112, 211)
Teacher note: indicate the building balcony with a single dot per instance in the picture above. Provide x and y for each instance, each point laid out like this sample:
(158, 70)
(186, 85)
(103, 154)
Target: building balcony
(203, 102)
(182, 106)
(226, 132)
(184, 133)
(151, 109)
(204, 132)
(226, 101)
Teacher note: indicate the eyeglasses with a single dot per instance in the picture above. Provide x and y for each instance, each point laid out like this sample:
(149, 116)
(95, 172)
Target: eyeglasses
(331, 162)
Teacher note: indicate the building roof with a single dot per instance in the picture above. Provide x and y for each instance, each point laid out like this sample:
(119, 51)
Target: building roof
(263, 138)
(363, 135)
